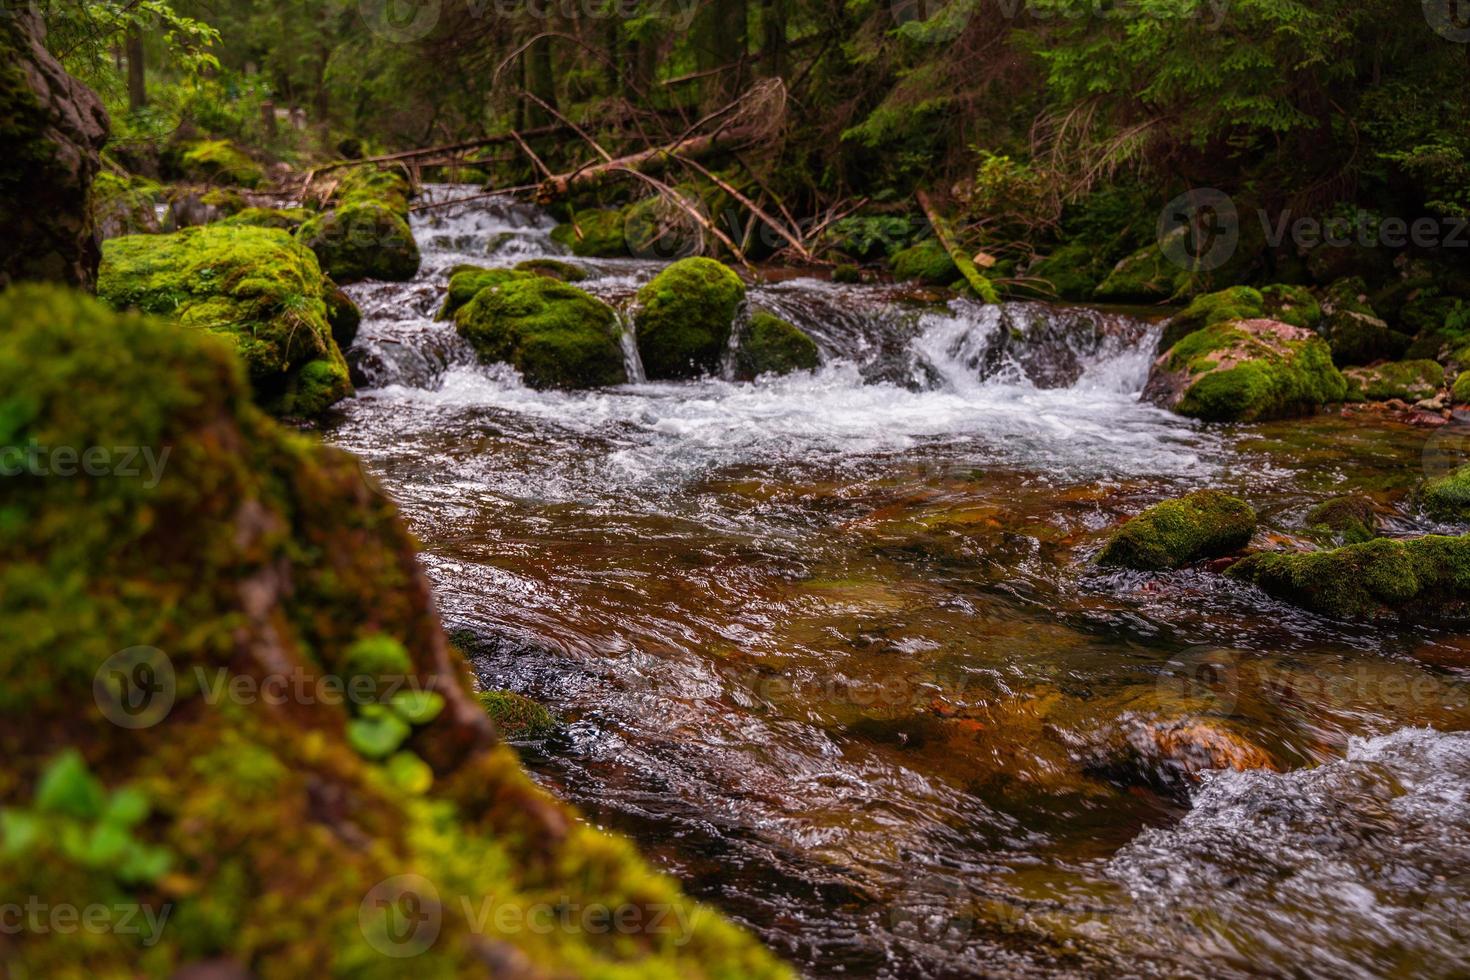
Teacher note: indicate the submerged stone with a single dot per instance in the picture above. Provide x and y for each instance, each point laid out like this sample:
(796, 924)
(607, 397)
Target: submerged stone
(254, 285)
(684, 317)
(1246, 371)
(554, 334)
(771, 345)
(1203, 524)
(1415, 579)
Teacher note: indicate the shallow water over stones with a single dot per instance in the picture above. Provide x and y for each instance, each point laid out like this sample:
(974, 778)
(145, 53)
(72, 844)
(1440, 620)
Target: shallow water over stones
(831, 648)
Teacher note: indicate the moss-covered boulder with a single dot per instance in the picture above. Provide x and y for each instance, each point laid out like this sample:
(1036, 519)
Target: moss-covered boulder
(343, 315)
(771, 345)
(54, 128)
(1448, 497)
(362, 241)
(125, 205)
(1349, 519)
(220, 162)
(515, 715)
(227, 694)
(1246, 371)
(284, 219)
(594, 234)
(554, 334)
(1073, 270)
(1353, 330)
(1408, 380)
(1235, 303)
(1203, 524)
(684, 317)
(465, 281)
(1291, 304)
(362, 185)
(925, 261)
(254, 285)
(1460, 390)
(1145, 276)
(1418, 579)
(553, 269)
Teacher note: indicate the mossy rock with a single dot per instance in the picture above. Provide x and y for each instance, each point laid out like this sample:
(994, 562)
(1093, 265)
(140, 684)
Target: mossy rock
(1460, 391)
(125, 205)
(1291, 304)
(254, 285)
(925, 261)
(466, 281)
(261, 555)
(1235, 303)
(1074, 271)
(1348, 519)
(1417, 579)
(602, 234)
(1246, 371)
(554, 334)
(1407, 380)
(220, 162)
(284, 219)
(343, 315)
(1145, 276)
(684, 318)
(771, 345)
(847, 274)
(362, 240)
(372, 185)
(553, 269)
(515, 715)
(1203, 524)
(1353, 330)
(1448, 497)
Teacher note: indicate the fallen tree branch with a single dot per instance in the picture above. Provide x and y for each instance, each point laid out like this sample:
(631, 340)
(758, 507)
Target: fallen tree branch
(750, 206)
(678, 200)
(983, 287)
(654, 159)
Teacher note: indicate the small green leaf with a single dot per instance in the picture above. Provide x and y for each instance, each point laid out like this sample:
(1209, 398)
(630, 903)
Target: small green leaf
(410, 773)
(68, 787)
(417, 707)
(144, 864)
(105, 845)
(127, 807)
(19, 829)
(377, 737)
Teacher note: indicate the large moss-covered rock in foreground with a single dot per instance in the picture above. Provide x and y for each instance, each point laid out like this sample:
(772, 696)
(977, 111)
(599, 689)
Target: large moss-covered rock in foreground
(1408, 380)
(1246, 371)
(1447, 498)
(304, 783)
(1418, 579)
(254, 285)
(53, 130)
(684, 318)
(554, 334)
(1203, 524)
(771, 345)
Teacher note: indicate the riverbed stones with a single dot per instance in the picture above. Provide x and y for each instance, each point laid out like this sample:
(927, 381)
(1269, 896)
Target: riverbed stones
(257, 287)
(1203, 524)
(1246, 371)
(365, 234)
(1425, 579)
(554, 334)
(684, 317)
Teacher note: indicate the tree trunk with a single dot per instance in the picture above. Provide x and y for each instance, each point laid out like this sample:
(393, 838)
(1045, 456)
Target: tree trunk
(773, 37)
(719, 39)
(137, 80)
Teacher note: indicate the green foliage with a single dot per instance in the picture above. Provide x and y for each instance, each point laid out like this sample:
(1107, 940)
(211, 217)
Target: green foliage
(554, 334)
(870, 237)
(1204, 524)
(601, 234)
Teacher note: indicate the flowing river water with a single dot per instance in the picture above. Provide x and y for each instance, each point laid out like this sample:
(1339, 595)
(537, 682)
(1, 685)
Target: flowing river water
(832, 650)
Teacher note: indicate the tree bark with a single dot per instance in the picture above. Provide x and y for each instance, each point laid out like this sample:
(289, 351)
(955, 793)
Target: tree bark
(137, 79)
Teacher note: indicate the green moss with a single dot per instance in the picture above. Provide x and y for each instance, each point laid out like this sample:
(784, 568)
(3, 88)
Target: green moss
(343, 315)
(847, 274)
(684, 318)
(254, 285)
(771, 345)
(1144, 276)
(1348, 519)
(1460, 392)
(1074, 271)
(1203, 524)
(1448, 498)
(358, 241)
(370, 185)
(1354, 330)
(259, 553)
(1292, 304)
(553, 269)
(125, 205)
(554, 334)
(220, 162)
(466, 281)
(285, 219)
(925, 261)
(602, 234)
(1235, 303)
(1408, 380)
(1241, 374)
(1416, 579)
(515, 715)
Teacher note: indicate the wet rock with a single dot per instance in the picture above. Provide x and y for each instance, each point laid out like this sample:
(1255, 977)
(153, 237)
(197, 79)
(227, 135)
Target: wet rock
(365, 234)
(1448, 498)
(1246, 371)
(343, 316)
(554, 334)
(1415, 579)
(253, 285)
(54, 128)
(684, 317)
(515, 715)
(553, 269)
(1348, 519)
(1355, 333)
(125, 205)
(466, 281)
(1203, 524)
(771, 345)
(1407, 380)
